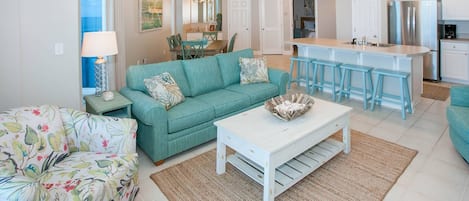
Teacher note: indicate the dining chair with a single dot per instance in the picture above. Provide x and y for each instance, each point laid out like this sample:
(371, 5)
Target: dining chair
(172, 42)
(231, 46)
(178, 39)
(210, 35)
(193, 49)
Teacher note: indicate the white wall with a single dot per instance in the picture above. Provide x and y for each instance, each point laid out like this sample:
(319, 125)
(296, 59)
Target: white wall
(151, 45)
(30, 72)
(344, 19)
(325, 18)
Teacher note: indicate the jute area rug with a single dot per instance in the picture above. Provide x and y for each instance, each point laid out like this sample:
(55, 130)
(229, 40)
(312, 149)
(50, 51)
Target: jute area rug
(367, 173)
(435, 91)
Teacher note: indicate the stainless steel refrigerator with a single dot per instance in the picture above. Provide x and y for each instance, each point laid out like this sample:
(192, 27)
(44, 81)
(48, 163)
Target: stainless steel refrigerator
(417, 23)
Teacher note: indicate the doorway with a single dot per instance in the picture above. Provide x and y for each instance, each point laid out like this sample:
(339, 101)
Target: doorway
(304, 20)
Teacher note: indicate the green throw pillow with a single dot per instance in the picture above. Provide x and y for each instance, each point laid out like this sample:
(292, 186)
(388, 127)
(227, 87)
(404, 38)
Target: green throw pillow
(253, 70)
(164, 89)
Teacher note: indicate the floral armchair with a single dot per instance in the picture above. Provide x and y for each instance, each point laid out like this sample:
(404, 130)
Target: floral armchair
(52, 153)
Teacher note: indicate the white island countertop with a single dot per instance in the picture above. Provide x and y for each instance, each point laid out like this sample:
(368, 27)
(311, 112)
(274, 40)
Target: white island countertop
(402, 58)
(394, 50)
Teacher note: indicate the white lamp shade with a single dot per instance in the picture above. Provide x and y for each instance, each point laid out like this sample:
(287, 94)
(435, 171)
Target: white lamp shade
(99, 44)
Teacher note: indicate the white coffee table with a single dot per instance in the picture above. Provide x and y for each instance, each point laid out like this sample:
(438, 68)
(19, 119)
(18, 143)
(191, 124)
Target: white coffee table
(276, 153)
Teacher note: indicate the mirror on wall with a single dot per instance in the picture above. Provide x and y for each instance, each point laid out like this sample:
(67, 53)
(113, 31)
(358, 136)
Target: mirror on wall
(201, 11)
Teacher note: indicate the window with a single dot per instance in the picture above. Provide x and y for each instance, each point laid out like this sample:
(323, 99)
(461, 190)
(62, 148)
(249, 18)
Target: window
(92, 20)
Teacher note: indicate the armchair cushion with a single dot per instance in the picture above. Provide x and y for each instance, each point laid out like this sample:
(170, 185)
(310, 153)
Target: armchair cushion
(31, 140)
(459, 95)
(35, 162)
(93, 133)
(91, 176)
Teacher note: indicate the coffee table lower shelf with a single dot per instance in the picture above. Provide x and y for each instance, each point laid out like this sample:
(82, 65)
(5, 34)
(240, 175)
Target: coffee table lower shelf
(295, 169)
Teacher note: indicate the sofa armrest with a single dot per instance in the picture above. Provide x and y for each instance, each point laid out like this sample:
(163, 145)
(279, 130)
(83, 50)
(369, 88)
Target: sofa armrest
(280, 78)
(144, 107)
(94, 133)
(460, 96)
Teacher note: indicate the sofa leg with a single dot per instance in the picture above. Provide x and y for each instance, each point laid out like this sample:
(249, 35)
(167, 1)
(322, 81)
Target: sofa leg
(158, 163)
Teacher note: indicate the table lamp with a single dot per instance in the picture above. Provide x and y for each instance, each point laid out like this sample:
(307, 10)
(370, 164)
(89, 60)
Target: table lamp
(99, 44)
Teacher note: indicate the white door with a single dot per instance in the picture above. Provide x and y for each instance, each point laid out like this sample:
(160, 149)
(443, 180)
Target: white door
(239, 21)
(271, 21)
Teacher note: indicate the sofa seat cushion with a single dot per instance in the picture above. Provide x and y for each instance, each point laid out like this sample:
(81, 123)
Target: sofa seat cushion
(203, 75)
(190, 113)
(458, 120)
(225, 101)
(91, 176)
(257, 92)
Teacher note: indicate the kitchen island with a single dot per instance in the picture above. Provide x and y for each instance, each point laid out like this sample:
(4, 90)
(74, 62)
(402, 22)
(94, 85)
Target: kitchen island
(384, 56)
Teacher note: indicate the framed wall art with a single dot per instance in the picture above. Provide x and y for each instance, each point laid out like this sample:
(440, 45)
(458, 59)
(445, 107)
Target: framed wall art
(151, 15)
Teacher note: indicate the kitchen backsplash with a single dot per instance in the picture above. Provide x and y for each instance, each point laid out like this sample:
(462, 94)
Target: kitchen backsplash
(462, 28)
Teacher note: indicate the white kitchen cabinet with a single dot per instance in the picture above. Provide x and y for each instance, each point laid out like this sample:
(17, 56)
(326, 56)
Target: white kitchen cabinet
(369, 20)
(455, 9)
(455, 62)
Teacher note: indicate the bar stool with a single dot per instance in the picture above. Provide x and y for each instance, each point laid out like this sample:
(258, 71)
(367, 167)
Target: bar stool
(347, 70)
(406, 105)
(319, 65)
(306, 65)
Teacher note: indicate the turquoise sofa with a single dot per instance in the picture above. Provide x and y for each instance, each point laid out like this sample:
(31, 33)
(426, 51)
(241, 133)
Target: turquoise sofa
(458, 119)
(212, 91)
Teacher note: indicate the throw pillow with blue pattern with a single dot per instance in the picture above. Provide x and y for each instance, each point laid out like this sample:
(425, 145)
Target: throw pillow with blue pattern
(164, 89)
(253, 70)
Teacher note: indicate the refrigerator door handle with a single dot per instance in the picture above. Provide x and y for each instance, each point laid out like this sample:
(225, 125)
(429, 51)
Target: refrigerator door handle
(408, 25)
(414, 32)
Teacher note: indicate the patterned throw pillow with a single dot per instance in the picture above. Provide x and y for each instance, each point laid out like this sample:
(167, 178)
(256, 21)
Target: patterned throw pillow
(164, 89)
(253, 70)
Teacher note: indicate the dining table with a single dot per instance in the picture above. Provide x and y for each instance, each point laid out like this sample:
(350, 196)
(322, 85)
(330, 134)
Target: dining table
(212, 48)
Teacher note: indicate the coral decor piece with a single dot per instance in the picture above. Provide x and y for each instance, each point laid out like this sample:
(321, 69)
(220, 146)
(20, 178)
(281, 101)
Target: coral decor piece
(290, 106)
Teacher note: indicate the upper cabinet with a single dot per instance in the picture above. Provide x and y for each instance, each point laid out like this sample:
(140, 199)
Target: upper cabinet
(455, 9)
(369, 20)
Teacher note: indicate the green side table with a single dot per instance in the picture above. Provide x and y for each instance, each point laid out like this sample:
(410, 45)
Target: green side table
(117, 107)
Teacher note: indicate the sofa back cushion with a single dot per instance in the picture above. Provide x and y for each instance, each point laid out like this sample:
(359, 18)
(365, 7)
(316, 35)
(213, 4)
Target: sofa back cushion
(32, 139)
(203, 75)
(137, 73)
(229, 65)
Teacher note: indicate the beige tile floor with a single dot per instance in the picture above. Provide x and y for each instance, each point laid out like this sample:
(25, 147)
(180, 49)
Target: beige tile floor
(437, 173)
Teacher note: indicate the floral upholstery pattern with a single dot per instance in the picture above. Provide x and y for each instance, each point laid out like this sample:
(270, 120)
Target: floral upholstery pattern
(164, 89)
(253, 70)
(52, 153)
